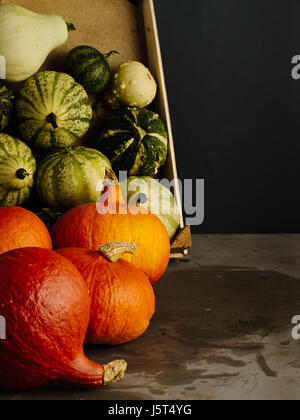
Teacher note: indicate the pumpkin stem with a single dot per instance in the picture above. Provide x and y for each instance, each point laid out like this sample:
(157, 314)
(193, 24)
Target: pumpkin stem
(52, 119)
(22, 174)
(111, 177)
(114, 372)
(115, 250)
(106, 56)
(71, 27)
(112, 188)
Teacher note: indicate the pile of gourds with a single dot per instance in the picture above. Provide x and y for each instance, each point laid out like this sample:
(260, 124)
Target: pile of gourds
(51, 113)
(97, 286)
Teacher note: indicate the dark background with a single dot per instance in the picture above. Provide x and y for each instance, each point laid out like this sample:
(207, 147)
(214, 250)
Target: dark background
(235, 108)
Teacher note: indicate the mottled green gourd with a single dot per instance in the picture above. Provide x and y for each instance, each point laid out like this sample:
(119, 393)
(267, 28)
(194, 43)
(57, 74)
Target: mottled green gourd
(148, 193)
(70, 177)
(53, 110)
(17, 169)
(135, 140)
(6, 105)
(90, 68)
(48, 216)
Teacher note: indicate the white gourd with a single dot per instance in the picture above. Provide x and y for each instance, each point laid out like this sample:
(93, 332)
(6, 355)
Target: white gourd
(132, 85)
(27, 38)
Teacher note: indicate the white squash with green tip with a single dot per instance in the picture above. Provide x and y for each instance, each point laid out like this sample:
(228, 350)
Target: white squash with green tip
(27, 38)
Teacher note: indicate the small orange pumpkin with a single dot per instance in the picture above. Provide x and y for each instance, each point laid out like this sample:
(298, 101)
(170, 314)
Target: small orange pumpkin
(112, 220)
(20, 228)
(122, 299)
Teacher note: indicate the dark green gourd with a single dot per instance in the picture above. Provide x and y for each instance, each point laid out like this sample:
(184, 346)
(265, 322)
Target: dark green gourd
(90, 68)
(135, 140)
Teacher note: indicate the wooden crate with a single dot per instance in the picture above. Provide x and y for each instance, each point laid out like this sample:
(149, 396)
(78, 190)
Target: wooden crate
(183, 239)
(119, 25)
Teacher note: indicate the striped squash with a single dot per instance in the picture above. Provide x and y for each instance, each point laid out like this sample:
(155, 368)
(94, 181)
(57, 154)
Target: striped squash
(17, 169)
(135, 140)
(90, 68)
(71, 177)
(6, 105)
(53, 110)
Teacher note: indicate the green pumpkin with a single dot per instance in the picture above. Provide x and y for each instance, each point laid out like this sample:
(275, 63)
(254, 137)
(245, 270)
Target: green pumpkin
(148, 193)
(90, 68)
(135, 140)
(6, 105)
(17, 169)
(70, 177)
(53, 110)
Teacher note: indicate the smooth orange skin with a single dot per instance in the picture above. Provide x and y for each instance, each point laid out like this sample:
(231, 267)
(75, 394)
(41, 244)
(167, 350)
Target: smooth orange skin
(122, 299)
(20, 228)
(46, 306)
(85, 227)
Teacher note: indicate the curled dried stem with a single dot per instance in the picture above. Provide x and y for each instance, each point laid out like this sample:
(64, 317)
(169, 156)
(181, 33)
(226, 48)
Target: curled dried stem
(114, 372)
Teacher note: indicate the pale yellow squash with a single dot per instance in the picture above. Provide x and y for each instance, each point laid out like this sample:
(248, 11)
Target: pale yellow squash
(27, 38)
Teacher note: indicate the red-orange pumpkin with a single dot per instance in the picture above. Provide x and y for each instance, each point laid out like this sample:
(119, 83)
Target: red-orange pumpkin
(112, 220)
(20, 228)
(122, 299)
(45, 304)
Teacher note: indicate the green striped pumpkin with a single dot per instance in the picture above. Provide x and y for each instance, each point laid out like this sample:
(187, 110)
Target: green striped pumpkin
(135, 140)
(148, 193)
(90, 68)
(17, 169)
(53, 110)
(6, 106)
(70, 177)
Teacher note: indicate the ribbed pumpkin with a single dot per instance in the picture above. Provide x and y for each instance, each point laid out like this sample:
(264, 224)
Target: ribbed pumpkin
(71, 177)
(135, 140)
(20, 228)
(53, 110)
(122, 299)
(90, 68)
(6, 105)
(17, 169)
(111, 220)
(46, 305)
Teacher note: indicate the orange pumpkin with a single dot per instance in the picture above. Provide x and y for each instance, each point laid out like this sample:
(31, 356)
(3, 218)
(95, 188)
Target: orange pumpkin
(46, 306)
(112, 220)
(20, 228)
(122, 299)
